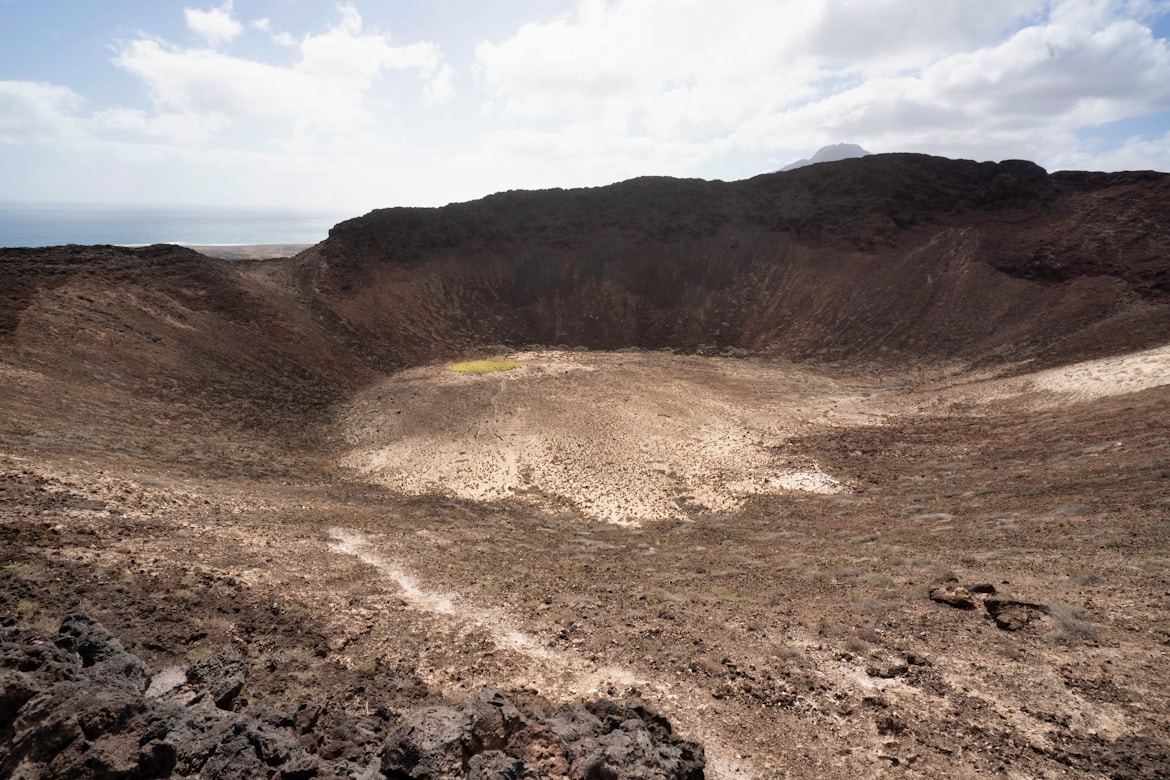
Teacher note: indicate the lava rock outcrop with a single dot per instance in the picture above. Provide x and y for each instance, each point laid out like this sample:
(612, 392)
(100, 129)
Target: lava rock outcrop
(488, 737)
(80, 706)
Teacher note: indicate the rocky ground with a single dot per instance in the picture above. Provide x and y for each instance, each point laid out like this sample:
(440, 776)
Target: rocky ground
(854, 471)
(986, 594)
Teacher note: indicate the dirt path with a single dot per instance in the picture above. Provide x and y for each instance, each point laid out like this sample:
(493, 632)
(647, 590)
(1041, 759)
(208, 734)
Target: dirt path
(556, 674)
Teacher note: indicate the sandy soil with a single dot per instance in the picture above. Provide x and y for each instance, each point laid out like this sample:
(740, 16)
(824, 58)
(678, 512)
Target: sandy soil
(621, 438)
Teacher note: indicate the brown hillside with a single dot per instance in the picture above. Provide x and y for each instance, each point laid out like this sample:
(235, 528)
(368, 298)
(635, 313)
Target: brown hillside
(887, 257)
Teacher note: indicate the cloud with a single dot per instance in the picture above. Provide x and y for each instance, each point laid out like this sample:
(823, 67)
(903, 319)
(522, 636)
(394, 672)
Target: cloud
(328, 89)
(216, 25)
(993, 79)
(318, 129)
(613, 89)
(440, 89)
(35, 113)
(1134, 154)
(184, 129)
(686, 63)
(1044, 82)
(264, 25)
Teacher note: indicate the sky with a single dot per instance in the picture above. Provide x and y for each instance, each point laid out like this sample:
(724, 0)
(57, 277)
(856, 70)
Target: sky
(363, 104)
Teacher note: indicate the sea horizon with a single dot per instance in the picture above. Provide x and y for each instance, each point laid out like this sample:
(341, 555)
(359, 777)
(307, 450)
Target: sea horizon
(56, 224)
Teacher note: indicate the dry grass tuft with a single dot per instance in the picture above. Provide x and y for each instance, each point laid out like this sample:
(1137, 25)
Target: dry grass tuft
(486, 366)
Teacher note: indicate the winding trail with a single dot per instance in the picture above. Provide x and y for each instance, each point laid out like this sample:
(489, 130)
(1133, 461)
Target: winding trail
(556, 673)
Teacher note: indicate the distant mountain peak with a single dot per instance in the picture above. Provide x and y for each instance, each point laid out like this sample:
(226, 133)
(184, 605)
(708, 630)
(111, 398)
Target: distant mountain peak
(830, 153)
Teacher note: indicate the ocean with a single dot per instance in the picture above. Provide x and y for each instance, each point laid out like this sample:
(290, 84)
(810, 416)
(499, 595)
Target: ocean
(23, 224)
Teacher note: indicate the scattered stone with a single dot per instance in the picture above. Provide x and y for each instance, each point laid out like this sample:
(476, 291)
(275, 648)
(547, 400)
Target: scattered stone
(952, 595)
(888, 672)
(890, 725)
(1012, 615)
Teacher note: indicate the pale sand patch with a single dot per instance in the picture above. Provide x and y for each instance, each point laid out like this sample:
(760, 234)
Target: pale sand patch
(812, 480)
(1087, 381)
(623, 438)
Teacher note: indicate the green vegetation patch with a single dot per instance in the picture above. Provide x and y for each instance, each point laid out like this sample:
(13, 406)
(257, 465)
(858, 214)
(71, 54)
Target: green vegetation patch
(484, 366)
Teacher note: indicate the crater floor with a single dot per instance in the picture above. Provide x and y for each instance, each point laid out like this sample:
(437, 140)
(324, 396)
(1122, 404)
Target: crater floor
(815, 573)
(621, 438)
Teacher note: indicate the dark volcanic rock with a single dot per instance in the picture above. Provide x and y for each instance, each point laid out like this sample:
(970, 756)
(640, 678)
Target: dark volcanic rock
(222, 676)
(953, 596)
(108, 662)
(77, 707)
(880, 259)
(488, 737)
(874, 258)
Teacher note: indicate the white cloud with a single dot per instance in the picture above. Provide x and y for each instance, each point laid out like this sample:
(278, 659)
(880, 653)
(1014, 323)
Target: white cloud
(440, 89)
(993, 79)
(614, 89)
(694, 64)
(36, 114)
(186, 129)
(318, 130)
(1045, 81)
(330, 88)
(216, 25)
(264, 25)
(1134, 154)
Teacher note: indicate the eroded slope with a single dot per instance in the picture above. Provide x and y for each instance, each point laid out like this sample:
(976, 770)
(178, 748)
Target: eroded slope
(888, 259)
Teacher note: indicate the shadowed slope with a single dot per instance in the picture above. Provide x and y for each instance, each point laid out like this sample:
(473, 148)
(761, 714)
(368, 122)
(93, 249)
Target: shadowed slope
(885, 257)
(114, 349)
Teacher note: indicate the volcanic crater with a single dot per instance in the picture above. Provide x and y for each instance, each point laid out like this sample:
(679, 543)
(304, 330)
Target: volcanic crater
(849, 471)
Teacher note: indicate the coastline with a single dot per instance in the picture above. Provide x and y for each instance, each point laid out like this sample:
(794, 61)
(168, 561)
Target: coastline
(40, 225)
(248, 251)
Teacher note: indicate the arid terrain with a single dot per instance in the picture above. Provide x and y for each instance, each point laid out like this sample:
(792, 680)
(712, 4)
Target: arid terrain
(859, 470)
